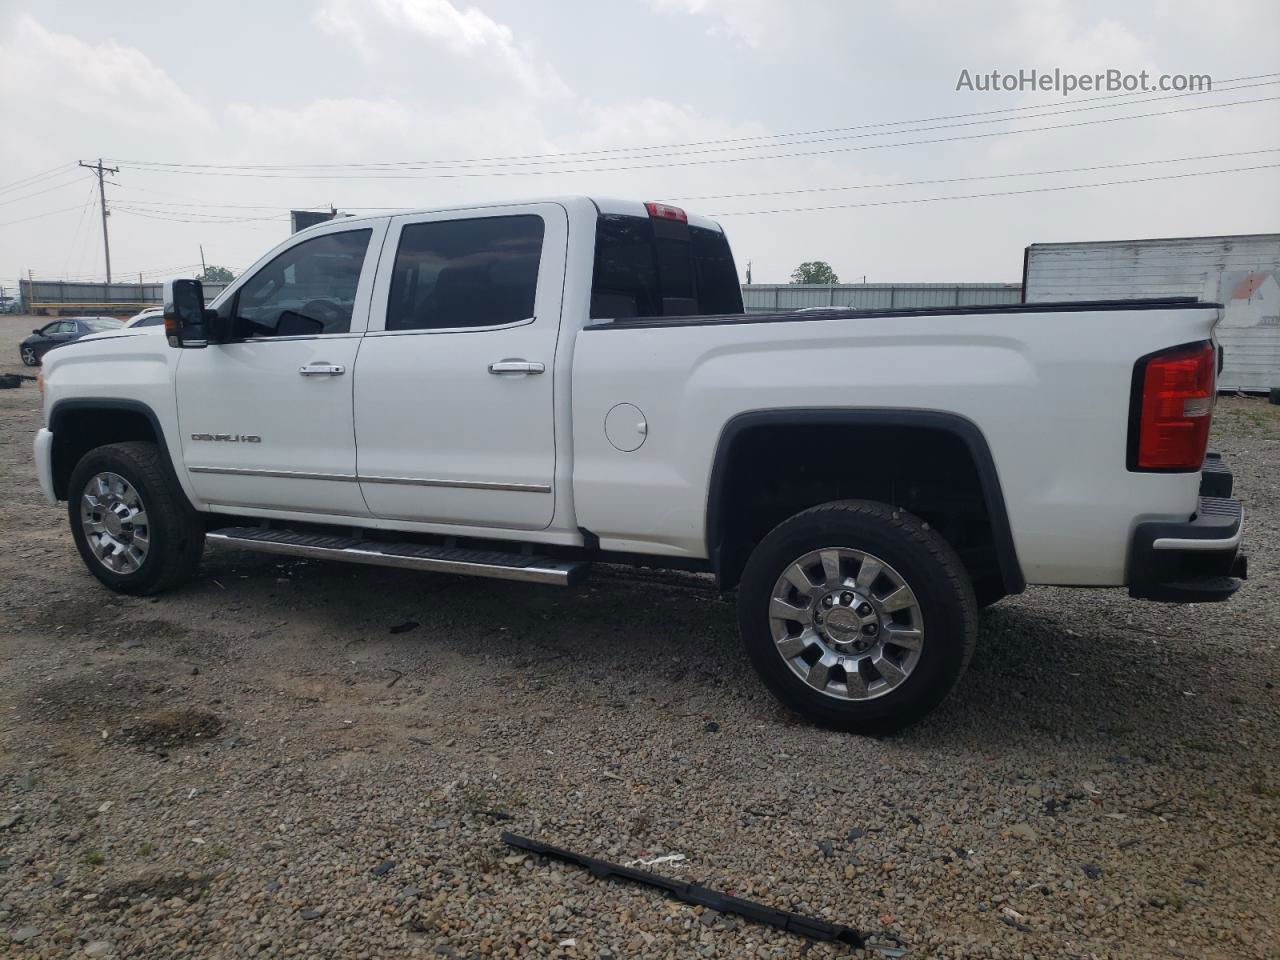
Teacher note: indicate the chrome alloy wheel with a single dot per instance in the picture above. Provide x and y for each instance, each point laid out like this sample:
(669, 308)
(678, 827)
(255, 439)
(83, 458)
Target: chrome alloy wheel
(115, 523)
(846, 623)
(29, 356)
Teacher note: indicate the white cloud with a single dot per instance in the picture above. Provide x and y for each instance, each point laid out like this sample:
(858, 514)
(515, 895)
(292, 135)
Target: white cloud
(55, 78)
(749, 22)
(468, 32)
(338, 19)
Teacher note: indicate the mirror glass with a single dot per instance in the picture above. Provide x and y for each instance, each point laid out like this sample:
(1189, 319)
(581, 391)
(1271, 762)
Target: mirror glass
(184, 321)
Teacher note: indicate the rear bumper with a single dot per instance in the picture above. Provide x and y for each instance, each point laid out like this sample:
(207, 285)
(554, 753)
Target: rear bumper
(1197, 560)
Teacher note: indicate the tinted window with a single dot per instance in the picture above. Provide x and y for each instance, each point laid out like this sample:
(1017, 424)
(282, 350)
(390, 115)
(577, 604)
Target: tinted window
(153, 321)
(97, 324)
(307, 290)
(715, 273)
(648, 267)
(465, 273)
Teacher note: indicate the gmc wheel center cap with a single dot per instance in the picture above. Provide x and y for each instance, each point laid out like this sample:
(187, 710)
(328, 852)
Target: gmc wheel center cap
(842, 623)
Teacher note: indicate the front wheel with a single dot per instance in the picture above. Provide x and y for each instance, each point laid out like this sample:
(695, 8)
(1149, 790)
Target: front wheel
(857, 615)
(133, 526)
(29, 357)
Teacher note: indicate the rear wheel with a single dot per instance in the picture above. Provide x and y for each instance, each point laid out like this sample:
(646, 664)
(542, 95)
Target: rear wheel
(857, 615)
(130, 520)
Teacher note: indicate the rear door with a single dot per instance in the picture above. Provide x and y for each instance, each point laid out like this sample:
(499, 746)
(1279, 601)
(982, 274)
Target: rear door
(454, 409)
(266, 417)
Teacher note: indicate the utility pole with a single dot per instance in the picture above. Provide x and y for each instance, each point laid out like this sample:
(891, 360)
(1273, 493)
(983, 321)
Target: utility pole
(203, 268)
(748, 271)
(100, 171)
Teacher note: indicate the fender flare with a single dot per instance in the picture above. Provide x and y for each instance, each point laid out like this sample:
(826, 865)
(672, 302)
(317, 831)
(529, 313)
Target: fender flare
(62, 408)
(960, 427)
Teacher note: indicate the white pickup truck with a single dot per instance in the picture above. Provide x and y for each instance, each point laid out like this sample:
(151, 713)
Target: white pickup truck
(516, 390)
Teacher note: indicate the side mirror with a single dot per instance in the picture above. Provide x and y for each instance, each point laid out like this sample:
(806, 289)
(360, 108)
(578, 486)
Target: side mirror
(184, 314)
(36, 331)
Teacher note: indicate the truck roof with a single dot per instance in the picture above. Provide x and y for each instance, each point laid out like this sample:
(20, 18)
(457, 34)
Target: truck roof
(603, 205)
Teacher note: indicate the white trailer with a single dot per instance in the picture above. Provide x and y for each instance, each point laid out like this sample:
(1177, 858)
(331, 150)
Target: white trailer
(1240, 272)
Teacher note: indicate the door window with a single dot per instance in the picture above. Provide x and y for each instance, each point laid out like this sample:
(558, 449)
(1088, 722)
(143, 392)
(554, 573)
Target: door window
(308, 290)
(480, 272)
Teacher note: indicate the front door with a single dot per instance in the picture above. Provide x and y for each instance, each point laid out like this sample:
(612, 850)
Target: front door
(454, 399)
(266, 417)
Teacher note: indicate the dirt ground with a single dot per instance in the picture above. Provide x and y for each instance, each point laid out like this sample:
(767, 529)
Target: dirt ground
(304, 759)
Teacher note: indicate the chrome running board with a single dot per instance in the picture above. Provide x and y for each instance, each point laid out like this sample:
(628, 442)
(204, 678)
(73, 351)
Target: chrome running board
(413, 556)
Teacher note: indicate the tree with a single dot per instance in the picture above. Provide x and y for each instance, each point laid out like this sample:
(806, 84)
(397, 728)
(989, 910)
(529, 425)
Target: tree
(215, 274)
(814, 271)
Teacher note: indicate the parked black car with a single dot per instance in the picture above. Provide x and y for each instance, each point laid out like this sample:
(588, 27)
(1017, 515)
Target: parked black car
(60, 331)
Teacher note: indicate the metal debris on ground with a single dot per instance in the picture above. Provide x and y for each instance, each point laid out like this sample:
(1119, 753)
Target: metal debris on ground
(698, 895)
(654, 861)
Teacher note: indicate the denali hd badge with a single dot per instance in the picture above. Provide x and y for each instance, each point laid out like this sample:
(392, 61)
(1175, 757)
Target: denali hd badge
(227, 437)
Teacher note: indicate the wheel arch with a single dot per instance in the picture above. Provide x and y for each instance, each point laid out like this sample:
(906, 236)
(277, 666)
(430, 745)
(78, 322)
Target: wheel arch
(79, 424)
(727, 565)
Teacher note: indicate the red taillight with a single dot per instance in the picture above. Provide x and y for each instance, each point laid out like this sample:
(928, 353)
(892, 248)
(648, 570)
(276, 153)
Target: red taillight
(666, 212)
(1174, 409)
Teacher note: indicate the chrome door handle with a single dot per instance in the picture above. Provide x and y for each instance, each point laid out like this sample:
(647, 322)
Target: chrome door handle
(322, 370)
(516, 366)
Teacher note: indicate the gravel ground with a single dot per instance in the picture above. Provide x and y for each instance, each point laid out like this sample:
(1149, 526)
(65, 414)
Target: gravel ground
(292, 759)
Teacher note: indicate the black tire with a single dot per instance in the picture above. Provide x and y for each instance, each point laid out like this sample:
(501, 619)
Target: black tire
(929, 567)
(175, 531)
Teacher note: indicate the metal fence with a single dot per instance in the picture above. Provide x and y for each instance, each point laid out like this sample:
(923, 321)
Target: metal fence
(768, 297)
(69, 296)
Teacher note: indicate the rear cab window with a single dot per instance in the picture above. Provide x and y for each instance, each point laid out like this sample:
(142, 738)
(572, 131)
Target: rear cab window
(661, 267)
(476, 272)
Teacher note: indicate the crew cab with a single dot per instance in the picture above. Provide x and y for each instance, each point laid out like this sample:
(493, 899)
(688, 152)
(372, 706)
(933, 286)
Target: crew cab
(518, 390)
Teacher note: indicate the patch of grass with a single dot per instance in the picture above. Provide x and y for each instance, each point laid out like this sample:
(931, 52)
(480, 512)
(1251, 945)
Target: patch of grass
(1204, 746)
(146, 850)
(1260, 788)
(94, 858)
(220, 853)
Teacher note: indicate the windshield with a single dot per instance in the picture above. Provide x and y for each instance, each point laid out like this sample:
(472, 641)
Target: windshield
(97, 324)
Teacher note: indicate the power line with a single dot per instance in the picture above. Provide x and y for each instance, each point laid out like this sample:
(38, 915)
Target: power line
(28, 181)
(562, 156)
(163, 207)
(1000, 193)
(74, 180)
(246, 223)
(695, 163)
(39, 216)
(75, 237)
(192, 217)
(987, 176)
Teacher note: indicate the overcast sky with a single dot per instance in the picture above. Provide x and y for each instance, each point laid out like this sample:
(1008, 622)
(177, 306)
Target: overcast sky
(247, 84)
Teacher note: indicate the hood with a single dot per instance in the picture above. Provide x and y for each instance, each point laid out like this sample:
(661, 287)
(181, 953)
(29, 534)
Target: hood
(119, 332)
